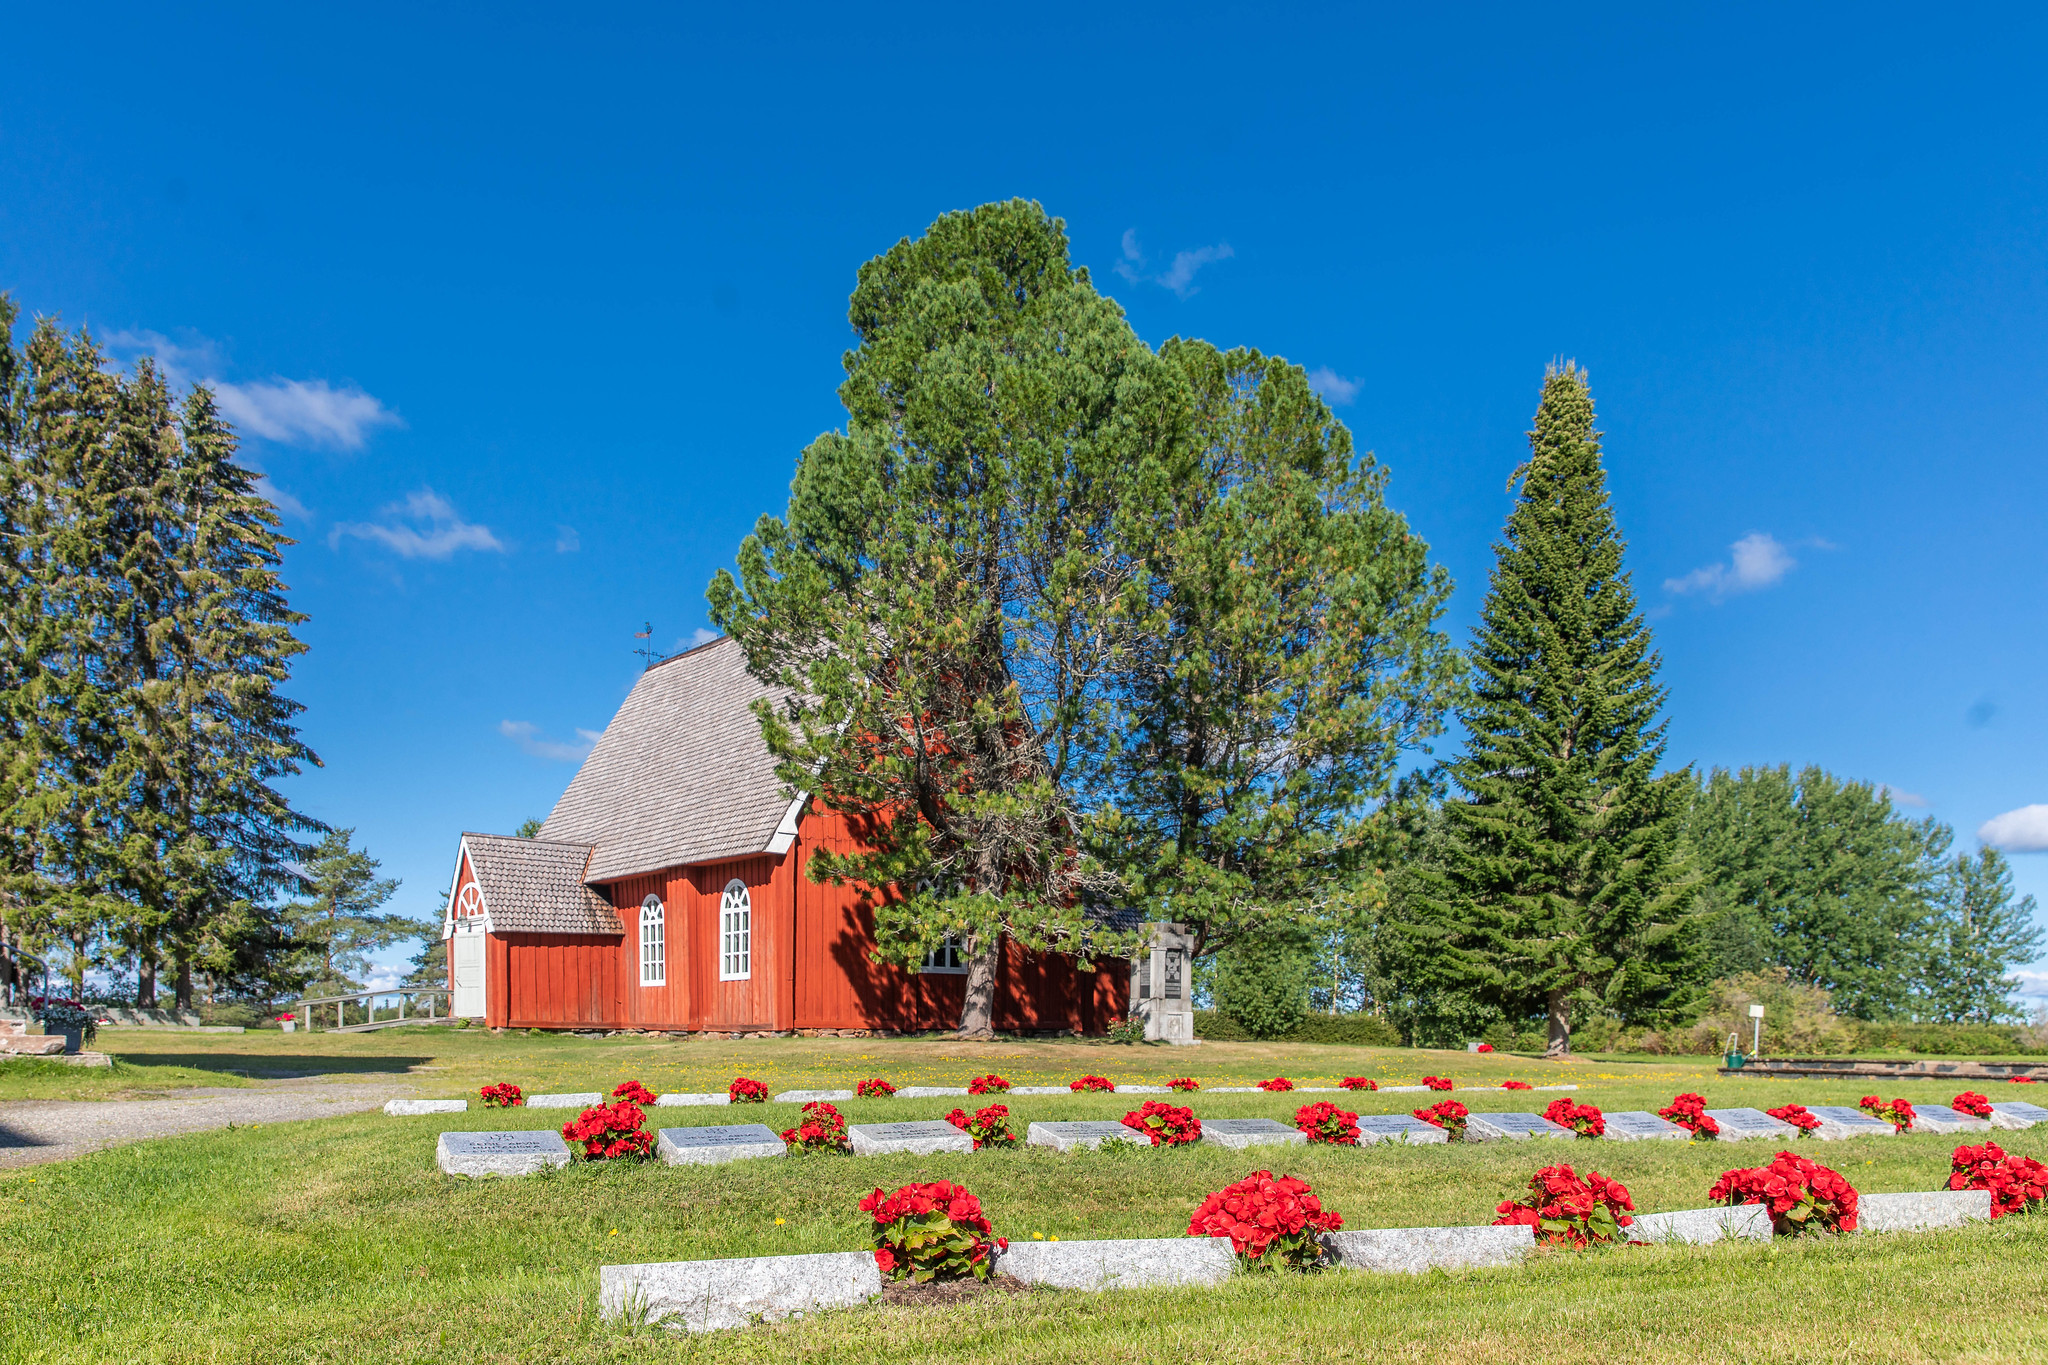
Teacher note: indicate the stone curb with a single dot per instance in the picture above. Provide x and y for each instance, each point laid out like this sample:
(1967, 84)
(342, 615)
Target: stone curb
(1699, 1227)
(582, 1099)
(676, 1100)
(406, 1108)
(1919, 1211)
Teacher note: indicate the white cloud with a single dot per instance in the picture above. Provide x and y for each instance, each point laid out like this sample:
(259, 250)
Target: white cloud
(2017, 831)
(700, 636)
(281, 500)
(424, 526)
(1334, 387)
(527, 736)
(288, 411)
(2030, 983)
(1755, 561)
(1900, 797)
(567, 542)
(1180, 276)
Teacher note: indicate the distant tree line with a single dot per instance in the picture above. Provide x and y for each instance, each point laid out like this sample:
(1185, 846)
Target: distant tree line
(145, 640)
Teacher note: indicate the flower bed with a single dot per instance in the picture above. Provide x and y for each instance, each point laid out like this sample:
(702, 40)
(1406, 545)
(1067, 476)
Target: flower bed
(1583, 1119)
(1278, 1083)
(821, 1129)
(935, 1231)
(1091, 1083)
(1437, 1082)
(506, 1096)
(745, 1091)
(990, 1084)
(1325, 1122)
(874, 1086)
(1802, 1195)
(989, 1127)
(2018, 1184)
(2020, 1080)
(1796, 1115)
(1359, 1083)
(1183, 1083)
(1898, 1113)
(1567, 1210)
(1167, 1125)
(1515, 1085)
(1273, 1222)
(1448, 1115)
(632, 1092)
(610, 1131)
(1689, 1111)
(1970, 1102)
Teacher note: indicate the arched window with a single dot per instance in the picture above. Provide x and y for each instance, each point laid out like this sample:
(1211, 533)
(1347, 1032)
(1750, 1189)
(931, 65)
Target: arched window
(653, 943)
(735, 932)
(470, 904)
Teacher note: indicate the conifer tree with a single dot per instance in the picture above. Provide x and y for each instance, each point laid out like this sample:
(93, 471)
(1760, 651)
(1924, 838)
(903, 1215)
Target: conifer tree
(1563, 892)
(338, 926)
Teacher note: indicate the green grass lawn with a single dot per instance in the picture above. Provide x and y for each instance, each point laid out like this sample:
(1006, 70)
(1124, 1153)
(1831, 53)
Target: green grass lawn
(338, 1240)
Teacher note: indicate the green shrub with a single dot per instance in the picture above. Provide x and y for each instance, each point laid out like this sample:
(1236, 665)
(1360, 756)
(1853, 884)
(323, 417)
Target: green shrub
(1345, 1030)
(1264, 988)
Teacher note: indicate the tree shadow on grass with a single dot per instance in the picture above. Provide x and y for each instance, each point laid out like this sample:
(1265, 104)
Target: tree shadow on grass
(271, 1066)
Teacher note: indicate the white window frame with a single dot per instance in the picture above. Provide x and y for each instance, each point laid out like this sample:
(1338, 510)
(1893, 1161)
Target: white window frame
(736, 932)
(654, 937)
(945, 960)
(470, 904)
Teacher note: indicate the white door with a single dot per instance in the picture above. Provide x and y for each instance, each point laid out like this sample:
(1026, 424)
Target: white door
(468, 950)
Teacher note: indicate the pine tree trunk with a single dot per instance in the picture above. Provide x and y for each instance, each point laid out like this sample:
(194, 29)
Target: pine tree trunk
(184, 983)
(1560, 1027)
(145, 980)
(978, 1007)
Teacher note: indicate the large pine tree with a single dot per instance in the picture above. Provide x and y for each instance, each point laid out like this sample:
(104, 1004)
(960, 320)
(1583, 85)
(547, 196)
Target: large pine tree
(1563, 891)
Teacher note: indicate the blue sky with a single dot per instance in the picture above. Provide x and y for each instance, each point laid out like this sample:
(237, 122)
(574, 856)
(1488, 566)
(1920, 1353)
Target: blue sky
(527, 318)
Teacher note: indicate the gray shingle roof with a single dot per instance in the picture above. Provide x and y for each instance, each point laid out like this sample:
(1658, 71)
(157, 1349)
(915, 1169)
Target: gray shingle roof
(681, 775)
(535, 886)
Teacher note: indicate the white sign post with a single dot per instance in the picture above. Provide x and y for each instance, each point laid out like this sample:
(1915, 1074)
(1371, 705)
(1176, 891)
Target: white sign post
(1756, 1030)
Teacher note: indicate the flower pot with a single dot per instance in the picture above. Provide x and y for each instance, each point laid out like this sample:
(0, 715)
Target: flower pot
(74, 1039)
(290, 1026)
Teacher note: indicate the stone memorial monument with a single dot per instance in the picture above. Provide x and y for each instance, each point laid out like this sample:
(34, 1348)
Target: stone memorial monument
(1513, 1127)
(1738, 1125)
(1067, 1137)
(2016, 1114)
(714, 1145)
(923, 1138)
(1398, 1128)
(515, 1153)
(1839, 1121)
(1636, 1125)
(1251, 1133)
(1161, 993)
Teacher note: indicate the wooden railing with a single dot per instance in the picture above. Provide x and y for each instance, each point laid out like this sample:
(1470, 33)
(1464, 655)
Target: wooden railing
(306, 1011)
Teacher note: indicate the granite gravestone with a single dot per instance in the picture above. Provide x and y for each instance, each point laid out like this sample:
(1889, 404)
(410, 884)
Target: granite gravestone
(1067, 1137)
(1635, 1125)
(2016, 1114)
(1740, 1124)
(1242, 1133)
(582, 1099)
(679, 1099)
(1839, 1121)
(929, 1092)
(1939, 1118)
(516, 1153)
(807, 1096)
(1513, 1127)
(1398, 1128)
(410, 1107)
(923, 1138)
(714, 1145)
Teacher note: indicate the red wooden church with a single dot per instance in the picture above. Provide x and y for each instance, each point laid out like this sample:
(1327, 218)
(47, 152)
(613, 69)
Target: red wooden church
(667, 891)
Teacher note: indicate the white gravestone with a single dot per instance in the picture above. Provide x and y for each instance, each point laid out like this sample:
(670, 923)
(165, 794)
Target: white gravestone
(715, 1145)
(1242, 1090)
(679, 1100)
(1921, 1210)
(1698, 1227)
(807, 1096)
(1402, 1089)
(582, 1099)
(1738, 1125)
(1142, 1090)
(1398, 1128)
(929, 1092)
(1939, 1118)
(922, 1138)
(1839, 1121)
(1241, 1133)
(1043, 1090)
(1636, 1125)
(1067, 1137)
(2016, 1114)
(405, 1108)
(705, 1296)
(1131, 1263)
(1512, 1127)
(1415, 1250)
(517, 1153)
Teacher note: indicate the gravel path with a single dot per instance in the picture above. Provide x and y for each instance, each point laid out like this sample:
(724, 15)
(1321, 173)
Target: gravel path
(36, 1131)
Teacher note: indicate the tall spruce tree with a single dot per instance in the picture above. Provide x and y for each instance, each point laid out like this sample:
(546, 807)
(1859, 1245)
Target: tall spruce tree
(1564, 894)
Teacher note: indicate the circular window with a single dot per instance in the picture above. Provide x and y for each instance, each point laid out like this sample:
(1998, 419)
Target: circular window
(470, 903)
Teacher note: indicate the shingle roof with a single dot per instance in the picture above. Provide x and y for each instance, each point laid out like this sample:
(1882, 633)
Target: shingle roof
(535, 886)
(681, 774)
